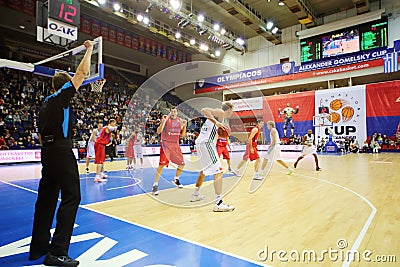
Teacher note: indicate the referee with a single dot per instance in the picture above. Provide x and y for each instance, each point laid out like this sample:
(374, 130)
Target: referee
(59, 170)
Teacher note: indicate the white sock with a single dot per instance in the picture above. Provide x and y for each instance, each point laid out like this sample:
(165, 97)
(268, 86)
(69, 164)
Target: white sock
(155, 184)
(97, 176)
(176, 178)
(217, 198)
(196, 190)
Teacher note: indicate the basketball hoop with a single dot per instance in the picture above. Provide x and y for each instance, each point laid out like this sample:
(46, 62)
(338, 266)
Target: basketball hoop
(97, 86)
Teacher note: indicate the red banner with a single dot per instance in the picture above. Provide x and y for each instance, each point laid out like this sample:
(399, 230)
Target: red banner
(383, 99)
(120, 37)
(28, 7)
(85, 25)
(15, 4)
(104, 31)
(95, 28)
(141, 43)
(242, 124)
(304, 101)
(112, 34)
(135, 42)
(127, 39)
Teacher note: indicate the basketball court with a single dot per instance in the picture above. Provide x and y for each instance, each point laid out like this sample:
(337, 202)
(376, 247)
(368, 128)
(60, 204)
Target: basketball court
(351, 204)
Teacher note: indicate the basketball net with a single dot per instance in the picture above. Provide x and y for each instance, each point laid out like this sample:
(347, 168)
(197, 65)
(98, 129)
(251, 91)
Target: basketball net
(97, 86)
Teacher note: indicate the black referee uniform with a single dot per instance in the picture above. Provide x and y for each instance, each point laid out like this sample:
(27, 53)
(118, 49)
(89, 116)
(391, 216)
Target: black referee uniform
(59, 174)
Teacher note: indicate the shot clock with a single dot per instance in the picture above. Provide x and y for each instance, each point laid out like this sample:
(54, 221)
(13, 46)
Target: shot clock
(67, 11)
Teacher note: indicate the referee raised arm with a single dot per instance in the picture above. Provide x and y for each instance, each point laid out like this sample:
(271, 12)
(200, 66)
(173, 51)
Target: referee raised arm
(59, 170)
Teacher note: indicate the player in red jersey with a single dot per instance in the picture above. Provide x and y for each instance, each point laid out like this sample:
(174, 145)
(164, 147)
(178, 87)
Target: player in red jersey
(129, 152)
(222, 149)
(251, 148)
(100, 150)
(171, 129)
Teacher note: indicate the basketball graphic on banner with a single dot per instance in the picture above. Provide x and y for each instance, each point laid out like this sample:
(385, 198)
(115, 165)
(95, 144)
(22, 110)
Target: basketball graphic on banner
(335, 117)
(347, 113)
(336, 104)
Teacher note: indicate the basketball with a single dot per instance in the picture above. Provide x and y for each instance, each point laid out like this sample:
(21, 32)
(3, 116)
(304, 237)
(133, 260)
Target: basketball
(223, 133)
(336, 104)
(347, 113)
(335, 117)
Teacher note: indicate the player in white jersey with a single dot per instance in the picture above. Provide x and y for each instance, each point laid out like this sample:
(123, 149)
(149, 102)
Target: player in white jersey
(309, 148)
(273, 153)
(208, 156)
(90, 146)
(137, 147)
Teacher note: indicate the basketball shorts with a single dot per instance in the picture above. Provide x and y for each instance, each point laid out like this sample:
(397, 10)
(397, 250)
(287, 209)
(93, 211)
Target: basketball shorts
(138, 151)
(273, 153)
(307, 150)
(171, 151)
(129, 152)
(90, 154)
(223, 150)
(208, 158)
(252, 156)
(100, 153)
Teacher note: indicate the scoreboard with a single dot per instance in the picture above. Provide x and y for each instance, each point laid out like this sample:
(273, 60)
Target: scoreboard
(310, 49)
(352, 39)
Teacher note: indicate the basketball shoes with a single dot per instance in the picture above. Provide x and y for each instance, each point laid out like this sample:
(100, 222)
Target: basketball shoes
(221, 207)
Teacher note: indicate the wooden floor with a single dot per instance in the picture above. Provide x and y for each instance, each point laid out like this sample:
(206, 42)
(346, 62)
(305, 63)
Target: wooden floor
(355, 199)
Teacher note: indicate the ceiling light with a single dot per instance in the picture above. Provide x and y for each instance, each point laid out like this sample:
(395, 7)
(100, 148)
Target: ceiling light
(203, 47)
(178, 35)
(240, 41)
(200, 17)
(281, 3)
(192, 41)
(175, 4)
(216, 27)
(223, 31)
(269, 25)
(274, 30)
(217, 53)
(146, 20)
(116, 7)
(101, 2)
(139, 17)
(22, 27)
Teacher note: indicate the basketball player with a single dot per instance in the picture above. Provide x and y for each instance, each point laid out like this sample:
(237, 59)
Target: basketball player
(251, 148)
(129, 153)
(309, 148)
(171, 129)
(100, 150)
(208, 156)
(59, 170)
(90, 154)
(222, 149)
(289, 112)
(137, 148)
(273, 153)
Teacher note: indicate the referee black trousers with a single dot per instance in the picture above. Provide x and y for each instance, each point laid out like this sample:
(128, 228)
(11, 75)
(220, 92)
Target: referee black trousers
(59, 175)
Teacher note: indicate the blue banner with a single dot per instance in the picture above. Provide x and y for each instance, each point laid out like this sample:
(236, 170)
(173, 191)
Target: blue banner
(344, 60)
(246, 75)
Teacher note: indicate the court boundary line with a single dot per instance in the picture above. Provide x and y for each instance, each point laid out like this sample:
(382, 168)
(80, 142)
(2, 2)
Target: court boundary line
(178, 237)
(367, 223)
(151, 229)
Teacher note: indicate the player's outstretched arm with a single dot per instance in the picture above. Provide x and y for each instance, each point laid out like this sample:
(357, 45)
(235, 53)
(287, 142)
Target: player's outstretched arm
(83, 67)
(215, 115)
(183, 128)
